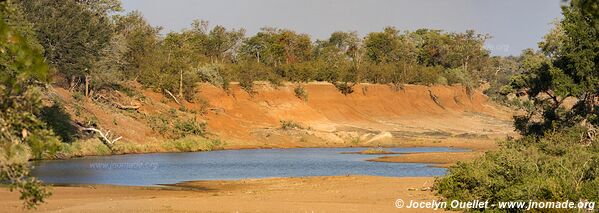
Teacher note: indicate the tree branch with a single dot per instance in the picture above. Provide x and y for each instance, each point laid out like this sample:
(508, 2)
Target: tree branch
(171, 94)
(105, 136)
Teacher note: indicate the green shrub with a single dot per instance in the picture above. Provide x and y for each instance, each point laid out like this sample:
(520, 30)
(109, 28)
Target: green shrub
(189, 127)
(193, 144)
(159, 123)
(123, 147)
(211, 74)
(171, 125)
(44, 145)
(301, 93)
(87, 147)
(345, 88)
(556, 167)
(426, 75)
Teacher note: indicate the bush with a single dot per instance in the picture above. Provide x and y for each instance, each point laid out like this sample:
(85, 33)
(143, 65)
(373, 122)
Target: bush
(193, 144)
(170, 125)
(189, 127)
(345, 88)
(556, 167)
(211, 73)
(426, 75)
(301, 93)
(287, 125)
(88, 147)
(44, 146)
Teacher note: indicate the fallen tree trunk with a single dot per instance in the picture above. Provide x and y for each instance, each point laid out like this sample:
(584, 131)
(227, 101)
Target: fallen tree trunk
(126, 107)
(171, 94)
(116, 104)
(106, 137)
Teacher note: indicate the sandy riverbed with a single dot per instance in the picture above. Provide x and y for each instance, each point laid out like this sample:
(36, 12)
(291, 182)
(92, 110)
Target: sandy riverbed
(305, 194)
(301, 194)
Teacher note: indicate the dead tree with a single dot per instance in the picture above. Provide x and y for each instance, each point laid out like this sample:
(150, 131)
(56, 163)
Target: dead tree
(171, 94)
(106, 137)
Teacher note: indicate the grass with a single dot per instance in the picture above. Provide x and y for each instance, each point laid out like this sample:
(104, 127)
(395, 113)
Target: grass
(86, 147)
(91, 147)
(193, 144)
(375, 151)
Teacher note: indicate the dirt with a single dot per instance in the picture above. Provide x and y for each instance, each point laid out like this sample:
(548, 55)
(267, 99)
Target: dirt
(303, 194)
(438, 159)
(372, 116)
(333, 119)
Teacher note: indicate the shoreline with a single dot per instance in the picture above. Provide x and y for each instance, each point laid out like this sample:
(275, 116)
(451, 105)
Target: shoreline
(319, 193)
(471, 145)
(274, 194)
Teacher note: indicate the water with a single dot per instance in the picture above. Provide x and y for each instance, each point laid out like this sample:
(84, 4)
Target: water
(169, 168)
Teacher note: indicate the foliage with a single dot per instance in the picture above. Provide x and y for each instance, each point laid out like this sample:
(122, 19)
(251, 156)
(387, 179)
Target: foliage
(566, 69)
(189, 127)
(289, 125)
(557, 158)
(211, 73)
(170, 125)
(193, 144)
(22, 135)
(345, 88)
(499, 88)
(72, 33)
(555, 167)
(301, 93)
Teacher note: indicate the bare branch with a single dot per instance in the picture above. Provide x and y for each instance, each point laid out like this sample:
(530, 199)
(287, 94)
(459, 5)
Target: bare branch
(171, 94)
(106, 138)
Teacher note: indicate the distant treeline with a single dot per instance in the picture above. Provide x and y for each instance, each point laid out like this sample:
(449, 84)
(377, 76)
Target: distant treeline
(92, 45)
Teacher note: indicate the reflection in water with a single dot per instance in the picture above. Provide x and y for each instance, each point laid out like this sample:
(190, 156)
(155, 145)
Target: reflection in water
(165, 168)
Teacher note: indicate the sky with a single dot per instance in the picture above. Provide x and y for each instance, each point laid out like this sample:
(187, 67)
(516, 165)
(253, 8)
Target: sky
(513, 24)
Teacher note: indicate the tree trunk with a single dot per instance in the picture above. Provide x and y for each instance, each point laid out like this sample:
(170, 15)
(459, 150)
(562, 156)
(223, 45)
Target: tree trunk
(181, 84)
(87, 79)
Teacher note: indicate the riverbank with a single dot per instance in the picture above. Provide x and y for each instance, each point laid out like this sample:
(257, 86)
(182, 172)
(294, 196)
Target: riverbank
(302, 194)
(437, 159)
(273, 117)
(297, 194)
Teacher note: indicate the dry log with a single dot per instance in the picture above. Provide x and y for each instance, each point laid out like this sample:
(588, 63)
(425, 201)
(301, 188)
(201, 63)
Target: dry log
(106, 137)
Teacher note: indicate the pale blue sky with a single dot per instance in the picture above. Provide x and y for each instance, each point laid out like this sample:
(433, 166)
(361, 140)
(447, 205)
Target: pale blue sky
(514, 24)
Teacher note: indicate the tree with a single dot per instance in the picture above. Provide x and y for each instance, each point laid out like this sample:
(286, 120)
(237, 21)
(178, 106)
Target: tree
(22, 134)
(569, 72)
(276, 46)
(220, 42)
(431, 46)
(72, 32)
(347, 43)
(557, 157)
(383, 47)
(140, 42)
(338, 57)
(466, 50)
